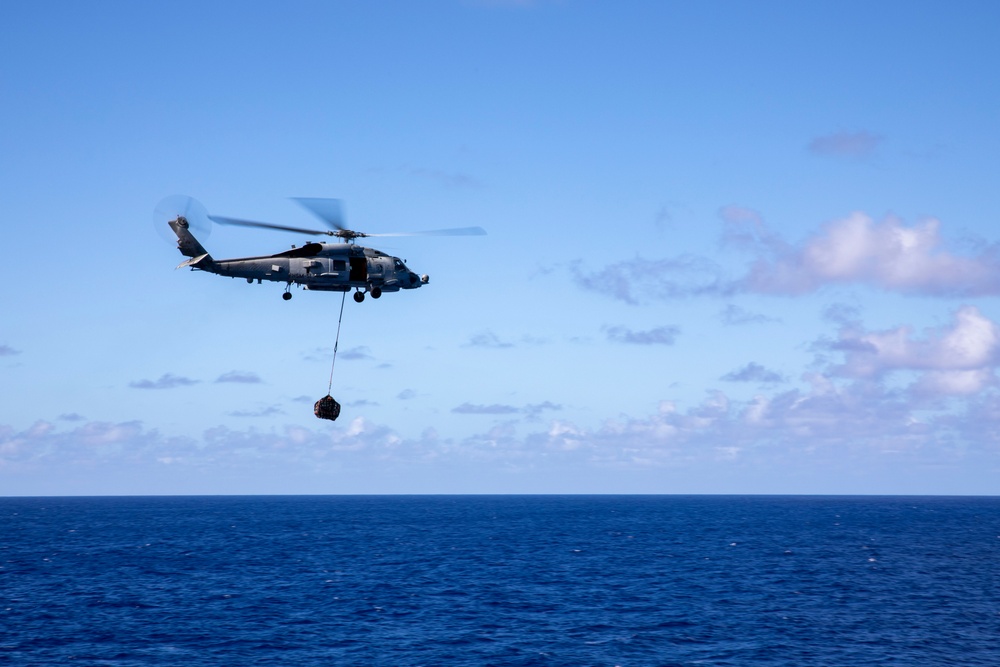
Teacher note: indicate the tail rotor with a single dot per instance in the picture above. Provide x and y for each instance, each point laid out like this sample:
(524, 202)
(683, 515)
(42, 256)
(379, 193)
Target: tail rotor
(177, 207)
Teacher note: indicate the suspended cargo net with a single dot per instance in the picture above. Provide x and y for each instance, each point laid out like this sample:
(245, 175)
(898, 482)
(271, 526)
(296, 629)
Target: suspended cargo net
(327, 407)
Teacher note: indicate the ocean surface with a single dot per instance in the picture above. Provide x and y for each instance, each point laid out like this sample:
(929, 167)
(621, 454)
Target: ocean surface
(500, 580)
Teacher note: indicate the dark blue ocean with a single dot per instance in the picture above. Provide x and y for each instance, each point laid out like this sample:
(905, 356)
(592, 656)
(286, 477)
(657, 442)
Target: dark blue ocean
(500, 580)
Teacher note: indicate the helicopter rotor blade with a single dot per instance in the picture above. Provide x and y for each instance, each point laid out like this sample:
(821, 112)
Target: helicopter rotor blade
(454, 231)
(330, 211)
(267, 225)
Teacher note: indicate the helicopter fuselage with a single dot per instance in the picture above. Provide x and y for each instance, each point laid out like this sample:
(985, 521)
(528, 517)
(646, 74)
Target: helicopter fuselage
(332, 267)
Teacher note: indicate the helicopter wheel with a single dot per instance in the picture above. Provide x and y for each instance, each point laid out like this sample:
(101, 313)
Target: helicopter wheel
(359, 296)
(286, 296)
(376, 292)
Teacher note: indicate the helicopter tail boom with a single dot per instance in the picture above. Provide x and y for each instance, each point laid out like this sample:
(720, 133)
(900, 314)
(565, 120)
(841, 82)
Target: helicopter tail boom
(187, 243)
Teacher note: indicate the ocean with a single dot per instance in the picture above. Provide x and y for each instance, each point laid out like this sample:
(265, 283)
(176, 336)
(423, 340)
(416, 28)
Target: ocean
(500, 580)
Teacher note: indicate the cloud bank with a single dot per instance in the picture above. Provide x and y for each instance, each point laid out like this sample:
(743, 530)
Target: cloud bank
(896, 400)
(886, 255)
(852, 425)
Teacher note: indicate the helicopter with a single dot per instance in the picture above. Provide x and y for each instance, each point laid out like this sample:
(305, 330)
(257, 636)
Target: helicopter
(317, 266)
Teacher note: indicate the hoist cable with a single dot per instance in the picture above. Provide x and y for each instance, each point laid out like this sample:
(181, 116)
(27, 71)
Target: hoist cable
(336, 343)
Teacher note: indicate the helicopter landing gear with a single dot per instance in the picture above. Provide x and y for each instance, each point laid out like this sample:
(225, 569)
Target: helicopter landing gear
(288, 294)
(359, 296)
(376, 292)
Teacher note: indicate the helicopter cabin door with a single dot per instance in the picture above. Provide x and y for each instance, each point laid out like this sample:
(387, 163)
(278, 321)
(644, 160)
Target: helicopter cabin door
(359, 269)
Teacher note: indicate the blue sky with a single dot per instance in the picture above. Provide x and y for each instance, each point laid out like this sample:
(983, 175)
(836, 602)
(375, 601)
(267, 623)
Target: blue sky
(733, 247)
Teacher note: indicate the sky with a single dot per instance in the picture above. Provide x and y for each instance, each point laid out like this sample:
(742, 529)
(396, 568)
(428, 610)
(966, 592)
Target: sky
(733, 248)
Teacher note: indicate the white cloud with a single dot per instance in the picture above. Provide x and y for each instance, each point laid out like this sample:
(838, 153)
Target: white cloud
(819, 425)
(753, 372)
(239, 377)
(734, 315)
(532, 410)
(166, 381)
(488, 339)
(888, 255)
(103, 433)
(493, 409)
(956, 359)
(665, 335)
(351, 354)
(961, 383)
(357, 352)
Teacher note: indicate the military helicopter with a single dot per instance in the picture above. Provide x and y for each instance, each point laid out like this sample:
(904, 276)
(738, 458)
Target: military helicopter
(324, 267)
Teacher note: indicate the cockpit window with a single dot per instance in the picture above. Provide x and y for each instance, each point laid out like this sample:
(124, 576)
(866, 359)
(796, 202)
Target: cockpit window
(398, 264)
